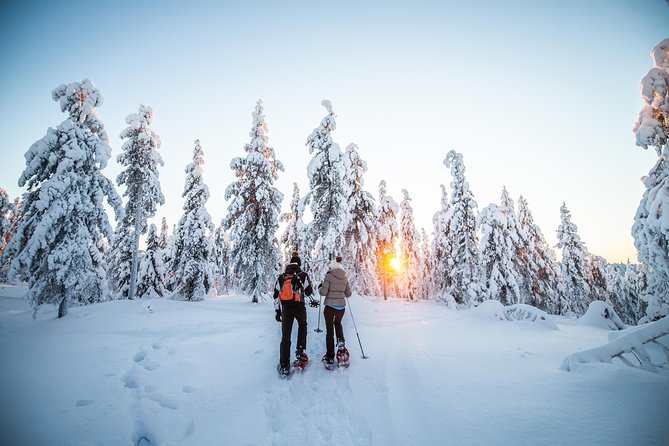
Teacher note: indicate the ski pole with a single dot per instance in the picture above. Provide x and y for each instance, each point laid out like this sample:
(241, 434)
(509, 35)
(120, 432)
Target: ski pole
(356, 329)
(318, 329)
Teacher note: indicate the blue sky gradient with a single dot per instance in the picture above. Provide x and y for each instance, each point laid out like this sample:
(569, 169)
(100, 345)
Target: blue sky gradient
(540, 97)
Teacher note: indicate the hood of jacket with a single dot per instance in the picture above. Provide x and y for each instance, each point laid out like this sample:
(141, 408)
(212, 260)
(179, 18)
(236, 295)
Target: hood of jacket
(338, 273)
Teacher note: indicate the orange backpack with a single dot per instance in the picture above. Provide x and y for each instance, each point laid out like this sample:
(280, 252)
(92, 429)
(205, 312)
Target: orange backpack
(291, 288)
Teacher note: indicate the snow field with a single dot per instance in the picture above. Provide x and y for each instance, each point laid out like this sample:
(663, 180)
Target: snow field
(164, 372)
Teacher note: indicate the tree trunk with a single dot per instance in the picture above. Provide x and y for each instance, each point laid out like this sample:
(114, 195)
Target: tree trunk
(135, 255)
(62, 307)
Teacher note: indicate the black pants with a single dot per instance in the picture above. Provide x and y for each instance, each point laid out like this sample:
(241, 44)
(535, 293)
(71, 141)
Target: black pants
(288, 314)
(333, 325)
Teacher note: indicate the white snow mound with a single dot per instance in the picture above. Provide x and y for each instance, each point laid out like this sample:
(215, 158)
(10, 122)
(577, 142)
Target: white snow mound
(524, 312)
(601, 314)
(490, 310)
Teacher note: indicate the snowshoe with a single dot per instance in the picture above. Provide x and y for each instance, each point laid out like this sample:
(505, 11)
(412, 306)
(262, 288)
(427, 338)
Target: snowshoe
(328, 362)
(343, 357)
(284, 372)
(301, 361)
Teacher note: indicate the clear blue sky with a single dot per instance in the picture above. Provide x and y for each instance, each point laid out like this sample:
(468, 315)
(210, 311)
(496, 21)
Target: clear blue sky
(538, 96)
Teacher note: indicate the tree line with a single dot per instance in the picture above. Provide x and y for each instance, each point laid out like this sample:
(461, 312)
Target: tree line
(58, 238)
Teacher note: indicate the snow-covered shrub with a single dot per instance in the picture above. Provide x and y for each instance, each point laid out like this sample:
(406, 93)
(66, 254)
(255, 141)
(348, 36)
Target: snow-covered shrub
(601, 314)
(524, 312)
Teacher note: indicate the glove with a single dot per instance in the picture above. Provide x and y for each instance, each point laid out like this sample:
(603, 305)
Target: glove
(313, 302)
(277, 316)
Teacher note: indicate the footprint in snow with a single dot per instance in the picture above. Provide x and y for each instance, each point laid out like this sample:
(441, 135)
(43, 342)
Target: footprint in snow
(139, 356)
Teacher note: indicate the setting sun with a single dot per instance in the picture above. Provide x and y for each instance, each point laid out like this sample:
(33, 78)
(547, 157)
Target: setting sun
(395, 263)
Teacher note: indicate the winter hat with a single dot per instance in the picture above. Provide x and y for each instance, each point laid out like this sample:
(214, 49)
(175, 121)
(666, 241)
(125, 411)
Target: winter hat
(336, 263)
(296, 259)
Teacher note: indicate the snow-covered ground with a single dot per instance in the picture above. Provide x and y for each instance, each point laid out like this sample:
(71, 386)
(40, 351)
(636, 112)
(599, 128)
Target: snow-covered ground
(166, 372)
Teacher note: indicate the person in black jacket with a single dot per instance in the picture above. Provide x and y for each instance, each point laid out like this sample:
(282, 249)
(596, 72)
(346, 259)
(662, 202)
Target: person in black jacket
(289, 310)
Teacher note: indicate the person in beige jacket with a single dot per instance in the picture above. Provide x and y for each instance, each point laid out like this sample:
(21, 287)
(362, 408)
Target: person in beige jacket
(336, 289)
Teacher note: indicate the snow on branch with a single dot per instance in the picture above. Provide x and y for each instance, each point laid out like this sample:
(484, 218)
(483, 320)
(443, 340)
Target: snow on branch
(645, 347)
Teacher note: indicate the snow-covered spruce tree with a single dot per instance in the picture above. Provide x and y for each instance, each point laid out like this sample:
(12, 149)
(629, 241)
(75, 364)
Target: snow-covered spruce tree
(327, 196)
(651, 224)
(595, 267)
(386, 237)
(141, 159)
(151, 275)
(542, 272)
(119, 260)
(57, 246)
(253, 213)
(464, 285)
(6, 211)
(167, 255)
(425, 268)
(574, 286)
(441, 250)
(408, 250)
(621, 295)
(499, 278)
(292, 238)
(14, 219)
(634, 287)
(359, 257)
(191, 252)
(221, 261)
(164, 235)
(519, 254)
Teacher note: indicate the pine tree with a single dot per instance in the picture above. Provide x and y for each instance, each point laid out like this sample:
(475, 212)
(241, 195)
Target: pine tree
(463, 279)
(292, 238)
(574, 286)
(253, 213)
(151, 275)
(650, 229)
(191, 253)
(327, 195)
(497, 252)
(387, 236)
(359, 258)
(57, 246)
(541, 272)
(408, 249)
(441, 250)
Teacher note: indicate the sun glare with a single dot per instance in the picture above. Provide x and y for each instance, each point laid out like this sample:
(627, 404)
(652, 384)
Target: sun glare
(395, 263)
